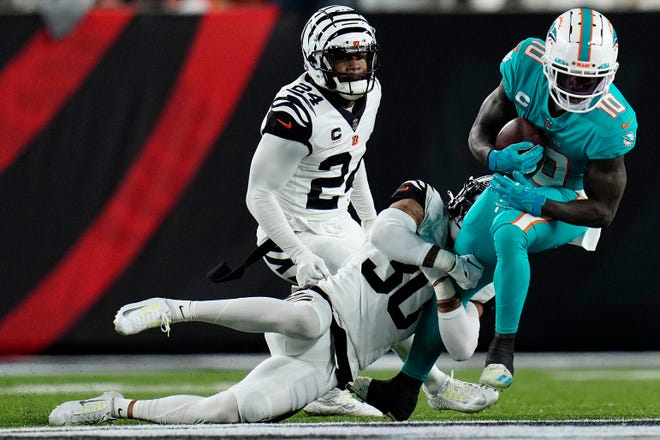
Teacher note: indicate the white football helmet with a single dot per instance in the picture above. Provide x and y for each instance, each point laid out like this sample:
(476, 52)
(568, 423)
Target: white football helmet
(580, 59)
(334, 33)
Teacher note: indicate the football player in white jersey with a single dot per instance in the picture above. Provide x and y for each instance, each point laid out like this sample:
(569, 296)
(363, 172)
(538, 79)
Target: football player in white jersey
(309, 164)
(320, 336)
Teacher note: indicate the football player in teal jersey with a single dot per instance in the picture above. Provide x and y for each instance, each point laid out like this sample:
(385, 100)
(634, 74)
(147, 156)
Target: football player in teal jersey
(561, 193)
(541, 197)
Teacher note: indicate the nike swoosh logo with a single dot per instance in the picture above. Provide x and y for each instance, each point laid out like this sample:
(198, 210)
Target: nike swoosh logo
(181, 307)
(285, 124)
(119, 412)
(626, 125)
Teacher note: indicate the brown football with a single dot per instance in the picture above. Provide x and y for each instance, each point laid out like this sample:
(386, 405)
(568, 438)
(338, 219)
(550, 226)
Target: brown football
(518, 130)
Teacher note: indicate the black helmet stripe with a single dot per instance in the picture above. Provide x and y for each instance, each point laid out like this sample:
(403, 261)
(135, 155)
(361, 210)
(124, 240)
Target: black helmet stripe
(333, 19)
(345, 31)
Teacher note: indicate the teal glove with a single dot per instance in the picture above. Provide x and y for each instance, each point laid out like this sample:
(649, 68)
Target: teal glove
(518, 193)
(523, 156)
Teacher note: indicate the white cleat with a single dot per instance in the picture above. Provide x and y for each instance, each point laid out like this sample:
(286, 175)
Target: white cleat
(136, 317)
(497, 376)
(80, 412)
(340, 403)
(461, 396)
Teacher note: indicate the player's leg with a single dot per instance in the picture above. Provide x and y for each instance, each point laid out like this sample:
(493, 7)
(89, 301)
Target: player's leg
(180, 409)
(336, 249)
(293, 316)
(299, 372)
(220, 408)
(512, 273)
(278, 387)
(434, 378)
(474, 236)
(443, 392)
(515, 234)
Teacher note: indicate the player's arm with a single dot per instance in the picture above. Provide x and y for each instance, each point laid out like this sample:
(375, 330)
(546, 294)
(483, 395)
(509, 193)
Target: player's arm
(394, 233)
(273, 164)
(495, 111)
(604, 184)
(361, 198)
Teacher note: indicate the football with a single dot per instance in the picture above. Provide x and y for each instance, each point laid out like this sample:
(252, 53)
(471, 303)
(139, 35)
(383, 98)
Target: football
(518, 130)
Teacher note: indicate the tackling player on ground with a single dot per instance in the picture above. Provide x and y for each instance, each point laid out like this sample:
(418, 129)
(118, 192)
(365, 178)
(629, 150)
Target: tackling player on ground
(320, 336)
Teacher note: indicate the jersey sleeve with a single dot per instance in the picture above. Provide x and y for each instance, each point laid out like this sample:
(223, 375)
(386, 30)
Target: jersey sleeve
(615, 145)
(288, 118)
(616, 122)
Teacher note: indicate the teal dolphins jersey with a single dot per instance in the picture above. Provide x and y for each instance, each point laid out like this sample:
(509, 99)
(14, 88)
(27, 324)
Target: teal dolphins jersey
(574, 139)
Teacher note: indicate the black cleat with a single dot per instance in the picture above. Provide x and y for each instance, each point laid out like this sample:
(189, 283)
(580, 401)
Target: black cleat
(396, 398)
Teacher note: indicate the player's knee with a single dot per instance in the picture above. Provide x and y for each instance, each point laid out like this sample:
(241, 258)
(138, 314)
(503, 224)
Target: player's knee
(305, 323)
(509, 239)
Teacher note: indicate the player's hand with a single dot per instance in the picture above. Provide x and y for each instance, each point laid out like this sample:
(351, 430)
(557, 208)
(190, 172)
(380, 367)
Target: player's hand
(518, 193)
(522, 156)
(467, 271)
(310, 269)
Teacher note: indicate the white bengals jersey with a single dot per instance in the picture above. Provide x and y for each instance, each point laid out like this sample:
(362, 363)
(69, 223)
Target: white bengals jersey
(319, 191)
(378, 301)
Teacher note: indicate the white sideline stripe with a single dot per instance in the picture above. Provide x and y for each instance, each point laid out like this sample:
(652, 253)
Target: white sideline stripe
(87, 388)
(505, 429)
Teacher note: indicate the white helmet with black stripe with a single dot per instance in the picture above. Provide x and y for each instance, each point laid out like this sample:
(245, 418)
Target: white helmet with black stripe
(334, 33)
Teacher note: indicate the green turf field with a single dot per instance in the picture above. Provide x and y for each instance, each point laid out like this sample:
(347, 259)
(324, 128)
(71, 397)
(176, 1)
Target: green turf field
(625, 393)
